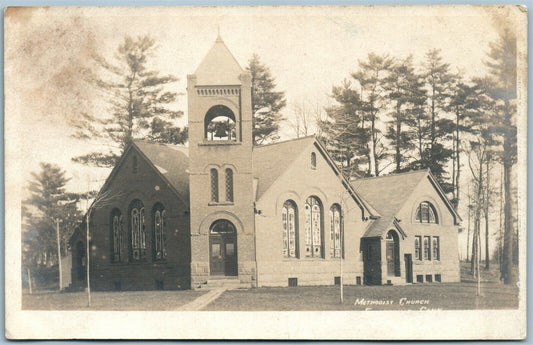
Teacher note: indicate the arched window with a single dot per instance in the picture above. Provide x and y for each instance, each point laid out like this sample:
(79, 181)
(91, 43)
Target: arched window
(219, 124)
(289, 218)
(426, 213)
(117, 236)
(418, 252)
(313, 160)
(137, 231)
(313, 227)
(229, 185)
(159, 225)
(436, 248)
(222, 226)
(214, 185)
(337, 244)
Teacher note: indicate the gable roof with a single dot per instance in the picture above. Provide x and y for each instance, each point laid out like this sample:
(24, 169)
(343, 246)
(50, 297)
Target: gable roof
(270, 161)
(388, 194)
(219, 67)
(171, 162)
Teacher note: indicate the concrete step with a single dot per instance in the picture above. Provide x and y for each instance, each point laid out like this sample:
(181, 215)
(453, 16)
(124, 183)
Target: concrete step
(227, 283)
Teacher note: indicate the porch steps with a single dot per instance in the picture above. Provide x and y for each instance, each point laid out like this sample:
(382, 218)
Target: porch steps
(228, 283)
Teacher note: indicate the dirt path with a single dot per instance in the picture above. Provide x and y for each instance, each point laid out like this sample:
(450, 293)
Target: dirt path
(202, 301)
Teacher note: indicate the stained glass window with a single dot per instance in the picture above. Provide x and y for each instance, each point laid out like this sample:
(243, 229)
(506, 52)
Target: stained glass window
(418, 252)
(426, 213)
(313, 227)
(138, 231)
(427, 248)
(290, 230)
(335, 231)
(229, 185)
(117, 236)
(214, 185)
(159, 215)
(436, 248)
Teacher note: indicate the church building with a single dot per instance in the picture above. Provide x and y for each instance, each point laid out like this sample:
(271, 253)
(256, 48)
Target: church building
(223, 212)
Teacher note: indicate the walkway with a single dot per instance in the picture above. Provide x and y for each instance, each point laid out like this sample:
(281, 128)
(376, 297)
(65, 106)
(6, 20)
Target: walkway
(202, 301)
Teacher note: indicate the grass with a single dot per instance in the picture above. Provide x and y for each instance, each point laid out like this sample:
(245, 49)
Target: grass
(130, 300)
(452, 296)
(443, 296)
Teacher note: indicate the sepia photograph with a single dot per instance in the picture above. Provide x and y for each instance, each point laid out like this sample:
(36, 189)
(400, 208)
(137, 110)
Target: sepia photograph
(266, 172)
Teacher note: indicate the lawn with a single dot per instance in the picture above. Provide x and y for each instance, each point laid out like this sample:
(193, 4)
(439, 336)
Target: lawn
(452, 296)
(440, 296)
(134, 300)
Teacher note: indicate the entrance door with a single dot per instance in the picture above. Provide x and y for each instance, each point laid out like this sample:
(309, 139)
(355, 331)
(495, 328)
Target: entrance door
(408, 268)
(393, 253)
(372, 260)
(223, 248)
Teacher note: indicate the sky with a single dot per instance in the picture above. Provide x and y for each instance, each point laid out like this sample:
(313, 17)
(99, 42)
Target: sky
(308, 50)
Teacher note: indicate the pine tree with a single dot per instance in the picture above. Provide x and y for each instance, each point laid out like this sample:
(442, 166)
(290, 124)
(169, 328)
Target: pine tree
(344, 133)
(502, 60)
(406, 95)
(140, 105)
(48, 203)
(464, 103)
(266, 102)
(438, 81)
(371, 76)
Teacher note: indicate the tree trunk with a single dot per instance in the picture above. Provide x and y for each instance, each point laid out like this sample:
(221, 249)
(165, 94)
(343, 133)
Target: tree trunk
(398, 137)
(487, 204)
(507, 267)
(458, 165)
(374, 139)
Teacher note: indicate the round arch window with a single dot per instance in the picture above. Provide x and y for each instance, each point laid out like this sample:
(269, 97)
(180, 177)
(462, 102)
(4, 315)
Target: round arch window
(222, 226)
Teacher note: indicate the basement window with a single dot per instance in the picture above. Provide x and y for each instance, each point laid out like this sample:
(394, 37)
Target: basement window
(419, 278)
(438, 278)
(293, 282)
(429, 278)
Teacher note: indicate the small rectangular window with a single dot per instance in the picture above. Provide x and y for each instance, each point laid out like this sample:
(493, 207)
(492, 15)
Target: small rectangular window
(215, 250)
(357, 280)
(438, 278)
(293, 282)
(429, 278)
(419, 278)
(230, 249)
(337, 280)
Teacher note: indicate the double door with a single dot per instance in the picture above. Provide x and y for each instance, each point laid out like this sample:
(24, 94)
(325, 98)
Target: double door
(223, 254)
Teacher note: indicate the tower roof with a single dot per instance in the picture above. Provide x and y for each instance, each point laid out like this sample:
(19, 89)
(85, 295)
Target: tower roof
(219, 66)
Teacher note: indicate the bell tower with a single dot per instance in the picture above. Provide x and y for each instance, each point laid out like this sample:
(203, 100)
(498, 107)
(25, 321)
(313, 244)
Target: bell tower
(220, 169)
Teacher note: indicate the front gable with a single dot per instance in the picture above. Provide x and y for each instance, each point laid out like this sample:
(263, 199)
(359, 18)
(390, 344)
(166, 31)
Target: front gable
(313, 170)
(428, 190)
(135, 172)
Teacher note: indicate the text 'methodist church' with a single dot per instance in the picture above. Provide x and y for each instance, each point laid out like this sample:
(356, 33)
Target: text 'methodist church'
(224, 212)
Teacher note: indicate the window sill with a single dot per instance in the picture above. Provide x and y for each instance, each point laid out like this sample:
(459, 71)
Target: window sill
(219, 143)
(227, 203)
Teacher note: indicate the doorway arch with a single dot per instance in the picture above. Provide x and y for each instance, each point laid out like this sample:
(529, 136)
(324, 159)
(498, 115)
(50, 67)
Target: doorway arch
(222, 248)
(393, 253)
